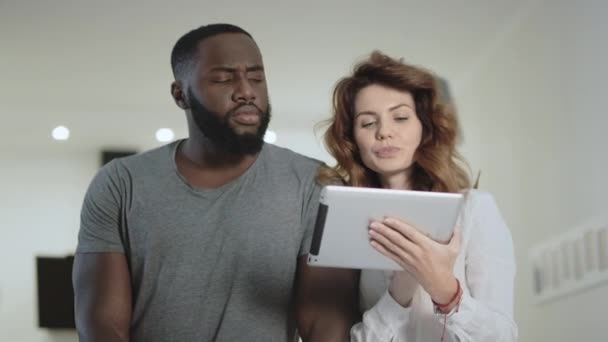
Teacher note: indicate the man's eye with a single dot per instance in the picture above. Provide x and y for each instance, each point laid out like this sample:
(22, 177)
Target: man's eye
(221, 80)
(256, 76)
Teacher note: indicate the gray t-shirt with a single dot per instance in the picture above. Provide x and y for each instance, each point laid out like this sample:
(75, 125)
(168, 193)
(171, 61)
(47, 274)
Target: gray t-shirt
(206, 265)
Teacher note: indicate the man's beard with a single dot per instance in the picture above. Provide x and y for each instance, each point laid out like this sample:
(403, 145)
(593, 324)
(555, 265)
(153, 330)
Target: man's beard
(218, 130)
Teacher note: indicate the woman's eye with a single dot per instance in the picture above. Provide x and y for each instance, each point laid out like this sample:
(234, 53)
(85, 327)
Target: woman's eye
(402, 118)
(367, 124)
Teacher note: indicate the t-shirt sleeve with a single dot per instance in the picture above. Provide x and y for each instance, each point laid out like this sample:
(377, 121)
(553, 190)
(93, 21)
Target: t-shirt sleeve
(101, 214)
(311, 206)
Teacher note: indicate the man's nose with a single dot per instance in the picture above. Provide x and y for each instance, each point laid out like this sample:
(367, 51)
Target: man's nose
(244, 91)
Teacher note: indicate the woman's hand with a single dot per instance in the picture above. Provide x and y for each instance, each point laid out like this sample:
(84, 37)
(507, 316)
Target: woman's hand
(430, 262)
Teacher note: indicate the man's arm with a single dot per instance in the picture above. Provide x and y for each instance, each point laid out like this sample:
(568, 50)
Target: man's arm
(326, 302)
(102, 302)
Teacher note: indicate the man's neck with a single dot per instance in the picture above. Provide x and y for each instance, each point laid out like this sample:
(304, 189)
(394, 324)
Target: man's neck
(208, 155)
(206, 165)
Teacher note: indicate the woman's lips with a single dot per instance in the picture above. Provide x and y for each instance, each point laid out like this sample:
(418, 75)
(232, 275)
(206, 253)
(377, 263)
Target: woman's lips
(386, 151)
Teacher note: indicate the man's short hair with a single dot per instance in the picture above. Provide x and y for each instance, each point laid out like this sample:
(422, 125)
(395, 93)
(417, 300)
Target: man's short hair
(186, 48)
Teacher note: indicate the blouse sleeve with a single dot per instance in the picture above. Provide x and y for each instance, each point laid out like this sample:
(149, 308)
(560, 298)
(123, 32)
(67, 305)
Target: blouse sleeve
(382, 322)
(486, 313)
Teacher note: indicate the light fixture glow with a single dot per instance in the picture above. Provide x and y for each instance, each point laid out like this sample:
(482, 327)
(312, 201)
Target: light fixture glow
(270, 137)
(61, 133)
(165, 135)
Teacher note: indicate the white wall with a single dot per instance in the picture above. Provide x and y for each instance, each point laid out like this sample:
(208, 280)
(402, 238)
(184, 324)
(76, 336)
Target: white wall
(539, 104)
(40, 201)
(530, 98)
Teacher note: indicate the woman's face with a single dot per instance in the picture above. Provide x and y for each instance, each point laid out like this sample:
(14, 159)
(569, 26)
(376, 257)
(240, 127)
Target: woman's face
(387, 130)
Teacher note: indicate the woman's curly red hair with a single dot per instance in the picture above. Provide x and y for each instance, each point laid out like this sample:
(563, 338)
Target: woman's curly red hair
(437, 164)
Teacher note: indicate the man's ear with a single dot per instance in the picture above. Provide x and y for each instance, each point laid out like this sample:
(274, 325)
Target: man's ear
(179, 95)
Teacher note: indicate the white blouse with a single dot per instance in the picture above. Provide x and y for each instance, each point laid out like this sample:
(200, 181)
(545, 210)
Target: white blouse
(486, 270)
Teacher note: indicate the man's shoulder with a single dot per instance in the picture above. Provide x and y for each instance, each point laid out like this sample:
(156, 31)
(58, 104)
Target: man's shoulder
(142, 163)
(147, 158)
(286, 156)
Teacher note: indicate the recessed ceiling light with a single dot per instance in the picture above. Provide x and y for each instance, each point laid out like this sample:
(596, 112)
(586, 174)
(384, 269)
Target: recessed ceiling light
(165, 135)
(270, 137)
(61, 133)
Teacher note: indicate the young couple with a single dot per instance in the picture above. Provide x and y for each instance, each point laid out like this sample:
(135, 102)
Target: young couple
(205, 239)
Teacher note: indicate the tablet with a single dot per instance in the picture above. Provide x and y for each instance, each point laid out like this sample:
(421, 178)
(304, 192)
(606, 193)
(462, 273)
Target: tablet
(341, 239)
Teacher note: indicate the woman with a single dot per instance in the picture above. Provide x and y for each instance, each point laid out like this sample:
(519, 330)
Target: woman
(390, 130)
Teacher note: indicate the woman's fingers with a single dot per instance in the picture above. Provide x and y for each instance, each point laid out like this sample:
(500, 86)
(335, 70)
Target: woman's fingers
(399, 241)
(406, 230)
(425, 258)
(387, 253)
(392, 242)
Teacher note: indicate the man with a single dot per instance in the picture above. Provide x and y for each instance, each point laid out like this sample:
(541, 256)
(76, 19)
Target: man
(206, 239)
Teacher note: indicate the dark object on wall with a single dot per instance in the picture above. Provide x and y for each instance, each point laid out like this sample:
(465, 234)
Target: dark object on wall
(445, 95)
(55, 292)
(444, 91)
(108, 155)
